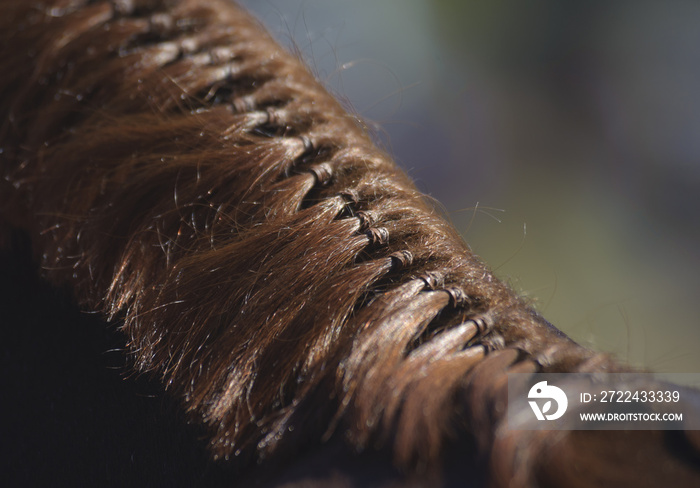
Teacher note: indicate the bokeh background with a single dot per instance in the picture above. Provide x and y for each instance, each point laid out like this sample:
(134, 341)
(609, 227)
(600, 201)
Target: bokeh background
(562, 139)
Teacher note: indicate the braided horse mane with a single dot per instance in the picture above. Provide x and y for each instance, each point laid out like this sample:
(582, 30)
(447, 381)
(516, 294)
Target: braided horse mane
(277, 273)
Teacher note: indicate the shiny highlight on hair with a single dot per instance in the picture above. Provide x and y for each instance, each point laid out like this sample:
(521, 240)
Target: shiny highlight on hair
(185, 175)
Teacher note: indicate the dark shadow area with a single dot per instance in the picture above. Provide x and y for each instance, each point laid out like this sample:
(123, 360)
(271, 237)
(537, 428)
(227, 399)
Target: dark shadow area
(71, 415)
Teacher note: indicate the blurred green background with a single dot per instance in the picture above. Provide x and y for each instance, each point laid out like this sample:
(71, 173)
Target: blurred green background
(562, 138)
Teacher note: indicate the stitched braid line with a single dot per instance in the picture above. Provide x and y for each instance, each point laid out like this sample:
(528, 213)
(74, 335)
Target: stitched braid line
(279, 273)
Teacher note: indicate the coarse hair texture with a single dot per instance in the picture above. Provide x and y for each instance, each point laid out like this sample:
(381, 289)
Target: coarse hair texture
(278, 272)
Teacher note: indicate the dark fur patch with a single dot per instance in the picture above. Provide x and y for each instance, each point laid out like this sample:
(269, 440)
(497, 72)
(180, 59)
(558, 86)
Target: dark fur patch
(278, 273)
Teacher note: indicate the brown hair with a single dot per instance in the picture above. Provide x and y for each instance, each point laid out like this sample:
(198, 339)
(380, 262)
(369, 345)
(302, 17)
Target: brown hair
(275, 269)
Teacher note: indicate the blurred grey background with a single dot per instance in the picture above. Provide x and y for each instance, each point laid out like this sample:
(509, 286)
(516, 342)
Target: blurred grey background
(562, 138)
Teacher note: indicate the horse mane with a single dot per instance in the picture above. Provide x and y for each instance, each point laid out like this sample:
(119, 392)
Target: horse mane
(278, 273)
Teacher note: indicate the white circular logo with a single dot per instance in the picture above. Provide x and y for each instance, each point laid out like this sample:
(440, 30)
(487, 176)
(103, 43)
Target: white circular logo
(551, 393)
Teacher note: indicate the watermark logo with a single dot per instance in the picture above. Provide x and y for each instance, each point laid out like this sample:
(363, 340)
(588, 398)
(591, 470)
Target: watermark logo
(603, 401)
(551, 393)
